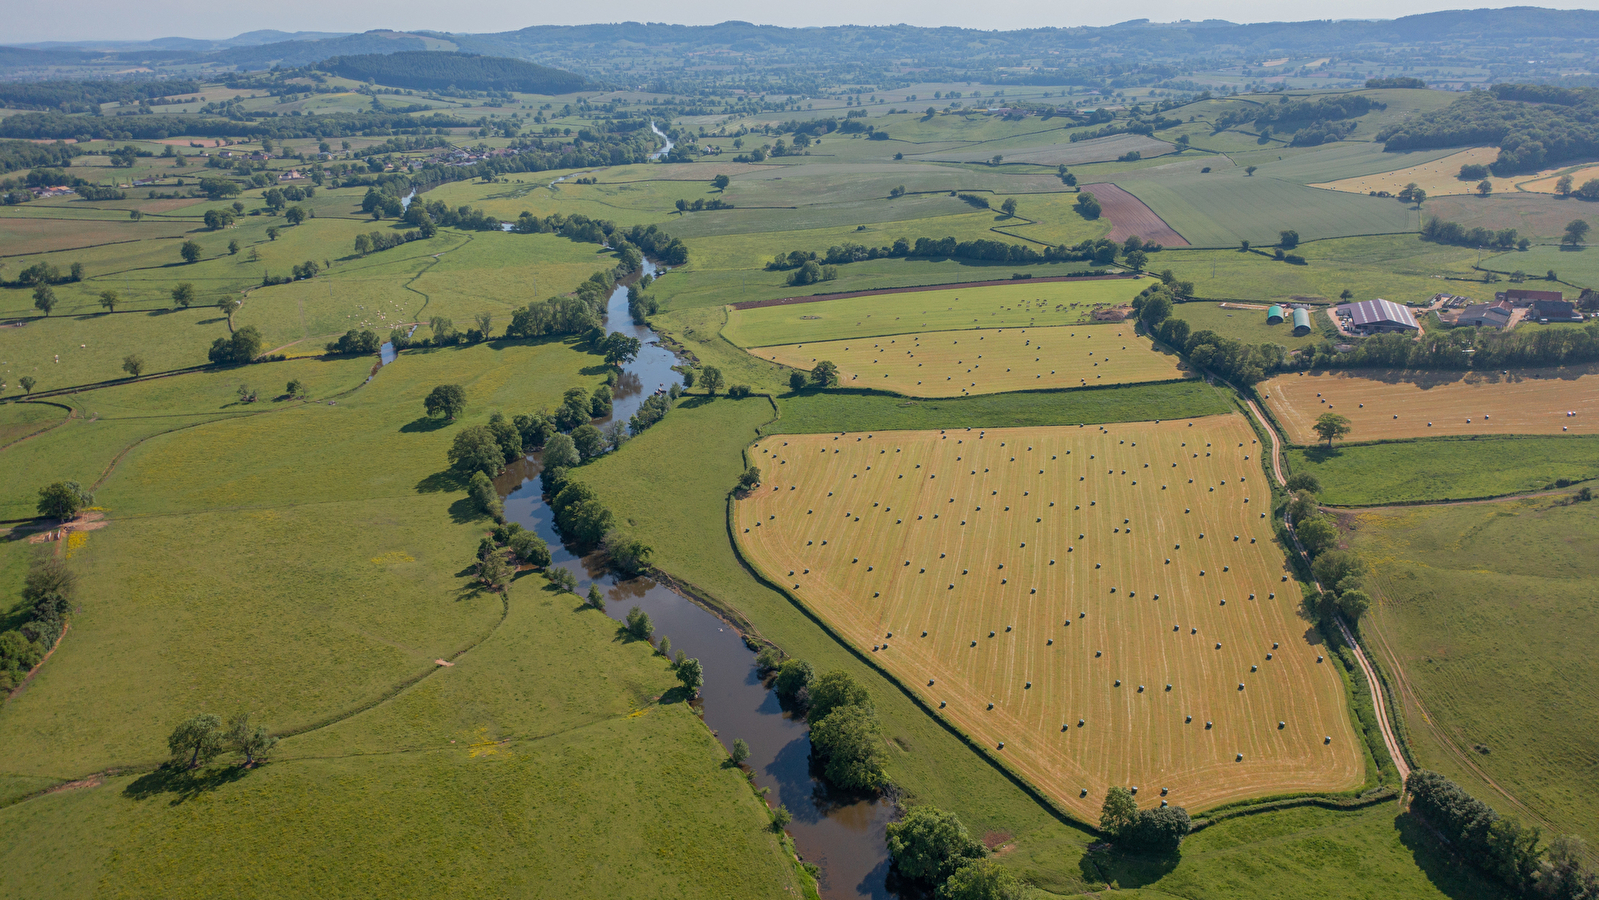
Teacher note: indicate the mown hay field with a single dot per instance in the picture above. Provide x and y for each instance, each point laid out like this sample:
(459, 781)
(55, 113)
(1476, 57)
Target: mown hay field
(1436, 177)
(992, 306)
(988, 361)
(1395, 405)
(1147, 590)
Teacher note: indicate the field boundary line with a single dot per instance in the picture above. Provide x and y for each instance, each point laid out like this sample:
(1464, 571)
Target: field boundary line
(71, 414)
(917, 288)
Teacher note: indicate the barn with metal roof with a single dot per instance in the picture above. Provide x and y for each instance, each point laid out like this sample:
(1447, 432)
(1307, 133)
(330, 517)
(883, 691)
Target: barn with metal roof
(1378, 317)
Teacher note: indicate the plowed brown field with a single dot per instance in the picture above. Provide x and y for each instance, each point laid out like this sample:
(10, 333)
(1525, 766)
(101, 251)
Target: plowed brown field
(1097, 605)
(1130, 216)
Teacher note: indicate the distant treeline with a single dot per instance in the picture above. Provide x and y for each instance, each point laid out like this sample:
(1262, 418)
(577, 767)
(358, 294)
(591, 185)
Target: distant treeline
(1397, 81)
(1441, 232)
(36, 126)
(1100, 252)
(1533, 125)
(15, 155)
(86, 96)
(436, 71)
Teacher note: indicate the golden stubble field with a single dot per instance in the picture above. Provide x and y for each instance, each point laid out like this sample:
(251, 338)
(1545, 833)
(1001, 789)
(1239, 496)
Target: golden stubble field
(988, 361)
(1420, 404)
(1105, 602)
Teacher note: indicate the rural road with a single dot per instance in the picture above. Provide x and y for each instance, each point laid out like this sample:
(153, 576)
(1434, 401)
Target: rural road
(1389, 739)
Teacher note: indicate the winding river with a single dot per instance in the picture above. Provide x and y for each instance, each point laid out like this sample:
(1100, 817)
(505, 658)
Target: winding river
(843, 835)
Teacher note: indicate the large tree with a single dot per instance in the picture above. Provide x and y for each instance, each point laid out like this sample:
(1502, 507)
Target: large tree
(560, 452)
(250, 738)
(1119, 813)
(825, 374)
(712, 379)
(63, 499)
(476, 450)
(692, 674)
(447, 400)
(1330, 426)
(836, 689)
(196, 741)
(1576, 232)
(44, 299)
(847, 739)
(190, 251)
(929, 844)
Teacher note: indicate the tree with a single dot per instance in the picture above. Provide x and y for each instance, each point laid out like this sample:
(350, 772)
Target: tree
(476, 450)
(1484, 187)
(834, 690)
(233, 247)
(190, 251)
(794, 679)
(183, 294)
(27, 382)
(251, 739)
(44, 299)
(562, 579)
(295, 215)
(1353, 604)
(196, 741)
(711, 377)
(1317, 533)
(1576, 233)
(1418, 195)
(531, 549)
(272, 232)
(984, 879)
(929, 844)
(295, 388)
(638, 624)
(1119, 813)
(1563, 185)
(825, 374)
(1250, 170)
(447, 400)
(133, 364)
(692, 674)
(796, 381)
(1137, 259)
(495, 572)
(62, 500)
(741, 750)
(1008, 207)
(590, 442)
(750, 479)
(1161, 829)
(1331, 426)
(243, 347)
(1338, 570)
(228, 306)
(781, 817)
(619, 349)
(847, 739)
(1288, 239)
(109, 300)
(596, 599)
(560, 452)
(721, 182)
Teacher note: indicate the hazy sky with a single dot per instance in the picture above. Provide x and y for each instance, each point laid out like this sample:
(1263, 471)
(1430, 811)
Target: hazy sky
(68, 20)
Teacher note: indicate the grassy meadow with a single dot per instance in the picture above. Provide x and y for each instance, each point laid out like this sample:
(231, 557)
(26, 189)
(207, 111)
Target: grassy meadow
(1433, 470)
(1477, 607)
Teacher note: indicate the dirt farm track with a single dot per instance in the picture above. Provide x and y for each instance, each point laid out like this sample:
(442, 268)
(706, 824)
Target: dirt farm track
(1097, 605)
(1390, 405)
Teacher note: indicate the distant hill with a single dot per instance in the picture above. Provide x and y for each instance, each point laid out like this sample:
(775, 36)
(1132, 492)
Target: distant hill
(437, 71)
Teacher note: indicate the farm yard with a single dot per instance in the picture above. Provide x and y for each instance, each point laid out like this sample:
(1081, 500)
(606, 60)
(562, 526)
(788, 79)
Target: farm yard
(1398, 405)
(1129, 216)
(1150, 637)
(1020, 304)
(990, 361)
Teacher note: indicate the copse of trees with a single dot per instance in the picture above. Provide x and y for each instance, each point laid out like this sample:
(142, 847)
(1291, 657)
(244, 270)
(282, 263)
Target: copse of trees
(48, 591)
(1100, 252)
(1159, 830)
(242, 347)
(1533, 125)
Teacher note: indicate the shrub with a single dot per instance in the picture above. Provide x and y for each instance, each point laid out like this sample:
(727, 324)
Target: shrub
(738, 391)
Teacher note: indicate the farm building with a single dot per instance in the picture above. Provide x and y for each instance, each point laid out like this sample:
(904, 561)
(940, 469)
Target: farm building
(1274, 316)
(1555, 311)
(1301, 322)
(1485, 315)
(1525, 297)
(1378, 317)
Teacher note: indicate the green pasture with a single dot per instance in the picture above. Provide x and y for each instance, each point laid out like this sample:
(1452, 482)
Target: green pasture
(1060, 152)
(1402, 268)
(19, 420)
(1345, 159)
(109, 420)
(1019, 304)
(1411, 471)
(1477, 610)
(1537, 216)
(1221, 208)
(1578, 268)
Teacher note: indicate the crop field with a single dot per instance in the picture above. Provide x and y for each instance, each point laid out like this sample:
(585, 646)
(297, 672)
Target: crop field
(1345, 159)
(991, 361)
(1439, 404)
(1129, 655)
(1438, 177)
(1546, 184)
(1479, 616)
(1222, 208)
(992, 306)
(1129, 216)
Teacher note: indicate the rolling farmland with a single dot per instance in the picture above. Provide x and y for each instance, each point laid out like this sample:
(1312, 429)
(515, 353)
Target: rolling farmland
(1129, 216)
(1222, 208)
(1143, 642)
(962, 308)
(1439, 404)
(989, 361)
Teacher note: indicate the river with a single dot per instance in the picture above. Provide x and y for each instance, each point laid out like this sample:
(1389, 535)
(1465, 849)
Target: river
(843, 835)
